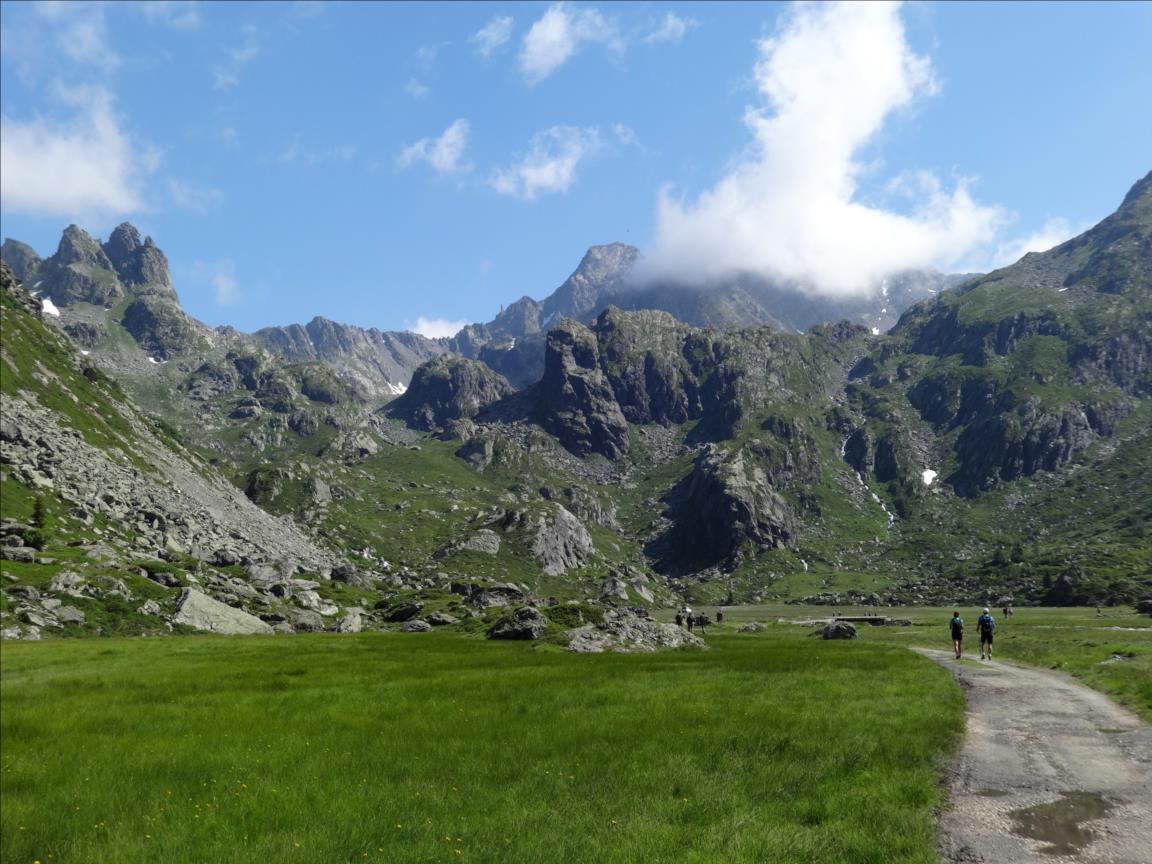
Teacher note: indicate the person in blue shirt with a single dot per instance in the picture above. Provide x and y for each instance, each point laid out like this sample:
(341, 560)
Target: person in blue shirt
(986, 624)
(957, 625)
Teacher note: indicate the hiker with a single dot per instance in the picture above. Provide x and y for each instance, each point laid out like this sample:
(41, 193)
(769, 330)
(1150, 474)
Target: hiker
(702, 621)
(1005, 610)
(957, 625)
(719, 616)
(986, 624)
(679, 620)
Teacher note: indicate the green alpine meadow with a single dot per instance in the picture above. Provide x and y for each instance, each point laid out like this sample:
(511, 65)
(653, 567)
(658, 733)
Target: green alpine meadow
(438, 747)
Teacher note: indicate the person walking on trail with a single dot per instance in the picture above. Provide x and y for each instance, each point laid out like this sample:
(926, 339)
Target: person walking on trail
(986, 624)
(957, 625)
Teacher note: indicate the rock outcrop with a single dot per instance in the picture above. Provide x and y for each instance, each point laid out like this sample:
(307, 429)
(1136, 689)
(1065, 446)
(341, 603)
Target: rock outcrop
(446, 389)
(626, 632)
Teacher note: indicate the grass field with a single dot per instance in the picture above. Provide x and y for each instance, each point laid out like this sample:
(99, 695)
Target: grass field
(439, 747)
(1110, 651)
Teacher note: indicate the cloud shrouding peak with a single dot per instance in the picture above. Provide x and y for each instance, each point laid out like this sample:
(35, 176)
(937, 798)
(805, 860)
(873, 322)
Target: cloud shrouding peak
(550, 164)
(436, 328)
(830, 77)
(84, 167)
(443, 154)
(492, 36)
(558, 35)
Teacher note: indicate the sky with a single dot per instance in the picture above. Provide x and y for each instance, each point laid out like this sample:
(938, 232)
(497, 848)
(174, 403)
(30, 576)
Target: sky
(415, 166)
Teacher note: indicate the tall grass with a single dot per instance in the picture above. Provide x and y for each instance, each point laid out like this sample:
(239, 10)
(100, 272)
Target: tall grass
(414, 748)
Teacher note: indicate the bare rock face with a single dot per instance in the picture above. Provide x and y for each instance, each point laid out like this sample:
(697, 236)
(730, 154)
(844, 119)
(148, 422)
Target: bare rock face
(448, 388)
(202, 612)
(138, 264)
(623, 631)
(727, 500)
(560, 541)
(575, 399)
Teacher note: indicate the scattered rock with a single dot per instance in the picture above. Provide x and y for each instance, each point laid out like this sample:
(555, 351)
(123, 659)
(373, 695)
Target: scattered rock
(442, 619)
(352, 622)
(751, 627)
(307, 621)
(70, 615)
(524, 623)
(416, 626)
(405, 611)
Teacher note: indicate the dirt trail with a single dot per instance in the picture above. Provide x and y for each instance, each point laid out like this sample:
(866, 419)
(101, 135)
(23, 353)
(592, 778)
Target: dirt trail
(1050, 771)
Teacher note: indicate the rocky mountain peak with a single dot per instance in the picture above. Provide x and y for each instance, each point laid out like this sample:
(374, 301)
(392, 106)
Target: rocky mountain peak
(138, 263)
(601, 268)
(77, 246)
(21, 257)
(122, 242)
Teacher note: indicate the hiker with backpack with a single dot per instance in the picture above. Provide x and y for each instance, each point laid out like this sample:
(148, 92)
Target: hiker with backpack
(986, 624)
(957, 625)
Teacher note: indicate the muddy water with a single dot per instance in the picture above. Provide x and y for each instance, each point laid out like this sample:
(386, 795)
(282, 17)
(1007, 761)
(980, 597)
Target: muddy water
(1060, 823)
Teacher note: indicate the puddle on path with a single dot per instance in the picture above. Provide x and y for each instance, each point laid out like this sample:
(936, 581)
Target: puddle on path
(993, 793)
(1058, 823)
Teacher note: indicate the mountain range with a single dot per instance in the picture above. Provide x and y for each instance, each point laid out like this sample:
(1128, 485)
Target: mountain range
(944, 438)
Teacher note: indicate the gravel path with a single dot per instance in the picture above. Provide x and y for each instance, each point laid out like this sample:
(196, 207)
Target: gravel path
(1050, 771)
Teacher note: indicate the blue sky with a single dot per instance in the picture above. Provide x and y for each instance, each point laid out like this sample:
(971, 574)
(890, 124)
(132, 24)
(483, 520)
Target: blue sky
(394, 165)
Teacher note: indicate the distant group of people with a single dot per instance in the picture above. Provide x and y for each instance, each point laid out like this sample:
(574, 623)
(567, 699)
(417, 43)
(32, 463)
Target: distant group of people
(695, 621)
(985, 626)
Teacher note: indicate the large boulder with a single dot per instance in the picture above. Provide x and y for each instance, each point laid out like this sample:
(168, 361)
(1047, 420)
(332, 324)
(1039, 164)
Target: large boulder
(559, 540)
(524, 623)
(838, 630)
(200, 611)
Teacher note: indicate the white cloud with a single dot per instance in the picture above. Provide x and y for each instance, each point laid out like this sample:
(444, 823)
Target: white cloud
(550, 163)
(830, 77)
(191, 196)
(436, 328)
(1053, 233)
(672, 29)
(227, 289)
(558, 35)
(81, 32)
(85, 166)
(226, 75)
(492, 35)
(299, 153)
(626, 135)
(177, 14)
(443, 154)
(417, 90)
